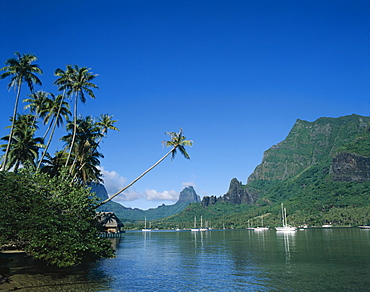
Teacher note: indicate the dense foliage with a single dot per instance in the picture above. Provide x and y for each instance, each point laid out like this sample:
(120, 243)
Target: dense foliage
(50, 219)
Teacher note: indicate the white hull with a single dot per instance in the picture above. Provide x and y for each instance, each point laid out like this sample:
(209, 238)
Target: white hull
(195, 229)
(261, 228)
(286, 228)
(364, 227)
(145, 230)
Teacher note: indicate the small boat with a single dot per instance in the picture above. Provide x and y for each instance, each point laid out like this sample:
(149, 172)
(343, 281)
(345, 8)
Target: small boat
(201, 225)
(195, 225)
(285, 226)
(146, 229)
(249, 226)
(327, 226)
(364, 227)
(261, 228)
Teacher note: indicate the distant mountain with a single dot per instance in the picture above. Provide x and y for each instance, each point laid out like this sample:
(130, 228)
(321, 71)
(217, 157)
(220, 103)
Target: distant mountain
(187, 196)
(341, 145)
(320, 172)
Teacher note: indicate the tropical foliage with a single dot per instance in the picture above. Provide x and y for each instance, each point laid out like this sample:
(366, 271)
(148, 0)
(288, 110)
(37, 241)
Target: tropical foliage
(49, 220)
(51, 213)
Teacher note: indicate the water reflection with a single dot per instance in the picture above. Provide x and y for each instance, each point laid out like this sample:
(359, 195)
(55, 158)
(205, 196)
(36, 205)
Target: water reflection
(289, 242)
(225, 260)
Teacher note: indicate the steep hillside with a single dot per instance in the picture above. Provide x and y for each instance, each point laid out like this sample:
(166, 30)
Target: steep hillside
(321, 172)
(308, 143)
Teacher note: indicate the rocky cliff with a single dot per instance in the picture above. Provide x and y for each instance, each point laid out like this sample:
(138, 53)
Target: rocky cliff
(350, 167)
(306, 144)
(237, 194)
(188, 195)
(343, 143)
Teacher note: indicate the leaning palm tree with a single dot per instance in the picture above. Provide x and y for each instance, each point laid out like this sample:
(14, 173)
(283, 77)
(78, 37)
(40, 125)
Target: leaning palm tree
(177, 142)
(21, 70)
(75, 82)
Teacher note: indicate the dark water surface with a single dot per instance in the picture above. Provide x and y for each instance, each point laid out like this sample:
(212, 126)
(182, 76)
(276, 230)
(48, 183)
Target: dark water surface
(332, 259)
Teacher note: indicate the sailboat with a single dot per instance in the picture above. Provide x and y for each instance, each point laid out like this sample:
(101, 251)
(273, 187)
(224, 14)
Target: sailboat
(201, 225)
(285, 226)
(195, 225)
(146, 229)
(261, 228)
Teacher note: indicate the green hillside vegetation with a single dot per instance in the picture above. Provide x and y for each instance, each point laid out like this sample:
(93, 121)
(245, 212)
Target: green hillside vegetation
(309, 195)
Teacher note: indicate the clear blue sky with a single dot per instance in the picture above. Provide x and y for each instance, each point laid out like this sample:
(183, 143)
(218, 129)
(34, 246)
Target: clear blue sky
(235, 75)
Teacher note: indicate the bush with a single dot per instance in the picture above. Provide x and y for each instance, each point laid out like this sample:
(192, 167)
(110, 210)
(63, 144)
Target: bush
(50, 219)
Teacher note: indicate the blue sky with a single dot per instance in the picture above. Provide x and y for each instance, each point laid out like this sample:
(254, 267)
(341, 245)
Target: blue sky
(235, 75)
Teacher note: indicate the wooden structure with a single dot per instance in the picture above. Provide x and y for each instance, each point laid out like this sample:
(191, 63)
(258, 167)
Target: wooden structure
(110, 222)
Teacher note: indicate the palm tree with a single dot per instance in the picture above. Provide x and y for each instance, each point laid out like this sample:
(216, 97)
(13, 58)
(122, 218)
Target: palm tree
(54, 165)
(85, 156)
(106, 122)
(21, 70)
(24, 146)
(75, 81)
(37, 102)
(56, 109)
(177, 142)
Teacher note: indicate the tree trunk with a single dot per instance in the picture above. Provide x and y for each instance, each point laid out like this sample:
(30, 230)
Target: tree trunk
(74, 131)
(139, 177)
(12, 127)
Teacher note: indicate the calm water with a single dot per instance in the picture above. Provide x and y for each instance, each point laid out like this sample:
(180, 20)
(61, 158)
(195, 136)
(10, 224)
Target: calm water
(334, 259)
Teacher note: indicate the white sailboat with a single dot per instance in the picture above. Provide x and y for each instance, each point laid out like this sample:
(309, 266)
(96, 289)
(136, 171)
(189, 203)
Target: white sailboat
(285, 226)
(201, 225)
(195, 225)
(146, 229)
(261, 228)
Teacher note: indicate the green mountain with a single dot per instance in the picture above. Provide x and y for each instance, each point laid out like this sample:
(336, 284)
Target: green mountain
(321, 172)
(187, 196)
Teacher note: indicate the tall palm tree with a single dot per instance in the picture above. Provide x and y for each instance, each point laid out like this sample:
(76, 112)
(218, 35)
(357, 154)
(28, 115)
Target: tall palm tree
(56, 109)
(24, 146)
(177, 142)
(76, 81)
(37, 102)
(85, 156)
(21, 70)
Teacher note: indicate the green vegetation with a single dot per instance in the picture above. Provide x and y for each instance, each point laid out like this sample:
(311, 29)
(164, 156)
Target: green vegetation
(50, 212)
(49, 219)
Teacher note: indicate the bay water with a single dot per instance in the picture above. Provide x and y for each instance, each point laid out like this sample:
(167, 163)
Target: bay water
(314, 259)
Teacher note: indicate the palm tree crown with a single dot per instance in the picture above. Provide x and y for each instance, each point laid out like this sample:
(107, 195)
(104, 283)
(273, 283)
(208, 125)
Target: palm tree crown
(75, 81)
(21, 70)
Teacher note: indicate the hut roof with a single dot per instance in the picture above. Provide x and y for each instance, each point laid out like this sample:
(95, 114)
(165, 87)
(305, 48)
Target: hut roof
(109, 219)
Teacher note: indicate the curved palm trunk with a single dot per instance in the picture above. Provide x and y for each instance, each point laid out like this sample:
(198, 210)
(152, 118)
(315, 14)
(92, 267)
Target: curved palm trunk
(139, 177)
(74, 132)
(12, 127)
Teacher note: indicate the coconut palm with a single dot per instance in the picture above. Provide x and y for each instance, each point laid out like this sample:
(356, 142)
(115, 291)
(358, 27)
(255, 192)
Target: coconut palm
(177, 142)
(24, 146)
(53, 165)
(106, 122)
(85, 156)
(76, 82)
(56, 109)
(21, 70)
(37, 103)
